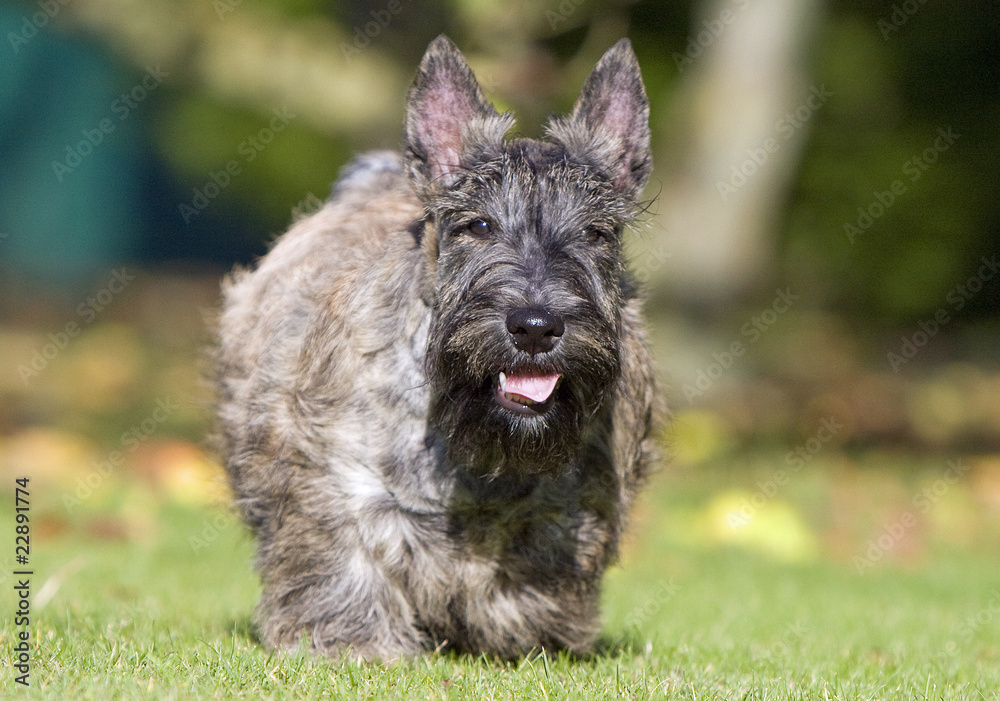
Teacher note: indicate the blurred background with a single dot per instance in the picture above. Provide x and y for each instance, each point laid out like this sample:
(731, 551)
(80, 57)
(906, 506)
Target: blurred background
(819, 248)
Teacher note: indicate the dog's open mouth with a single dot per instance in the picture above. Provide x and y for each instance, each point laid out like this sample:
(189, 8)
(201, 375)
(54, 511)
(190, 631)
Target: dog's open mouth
(525, 393)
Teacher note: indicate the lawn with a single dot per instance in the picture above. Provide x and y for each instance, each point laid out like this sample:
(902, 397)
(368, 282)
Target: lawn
(821, 592)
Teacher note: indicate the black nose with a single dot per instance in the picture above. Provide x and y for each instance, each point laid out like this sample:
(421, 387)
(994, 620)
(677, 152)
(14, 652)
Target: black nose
(534, 330)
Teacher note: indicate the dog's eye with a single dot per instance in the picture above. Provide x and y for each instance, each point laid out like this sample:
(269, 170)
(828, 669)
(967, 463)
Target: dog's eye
(596, 234)
(480, 228)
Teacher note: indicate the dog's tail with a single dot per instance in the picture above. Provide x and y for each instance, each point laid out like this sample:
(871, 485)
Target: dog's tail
(372, 171)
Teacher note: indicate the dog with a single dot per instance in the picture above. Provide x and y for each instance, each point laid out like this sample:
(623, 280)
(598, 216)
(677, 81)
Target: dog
(435, 396)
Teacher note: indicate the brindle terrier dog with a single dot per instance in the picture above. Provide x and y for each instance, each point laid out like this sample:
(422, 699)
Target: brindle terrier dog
(435, 394)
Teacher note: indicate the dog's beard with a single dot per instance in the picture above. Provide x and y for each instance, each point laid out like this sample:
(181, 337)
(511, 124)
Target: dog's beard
(489, 439)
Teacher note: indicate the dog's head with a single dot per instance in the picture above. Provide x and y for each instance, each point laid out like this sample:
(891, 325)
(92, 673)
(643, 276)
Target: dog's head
(525, 268)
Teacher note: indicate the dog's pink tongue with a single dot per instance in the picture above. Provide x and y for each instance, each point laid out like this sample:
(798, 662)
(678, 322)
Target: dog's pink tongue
(537, 388)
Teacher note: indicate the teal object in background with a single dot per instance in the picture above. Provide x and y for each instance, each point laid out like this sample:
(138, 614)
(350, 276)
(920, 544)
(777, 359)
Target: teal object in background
(61, 225)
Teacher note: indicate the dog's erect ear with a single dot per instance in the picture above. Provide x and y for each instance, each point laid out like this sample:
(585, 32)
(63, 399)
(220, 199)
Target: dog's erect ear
(448, 121)
(609, 125)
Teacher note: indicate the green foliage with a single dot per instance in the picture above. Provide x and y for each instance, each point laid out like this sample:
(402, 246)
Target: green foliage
(861, 246)
(198, 136)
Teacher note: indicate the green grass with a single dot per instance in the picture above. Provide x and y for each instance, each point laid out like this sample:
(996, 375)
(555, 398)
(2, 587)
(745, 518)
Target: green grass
(142, 613)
